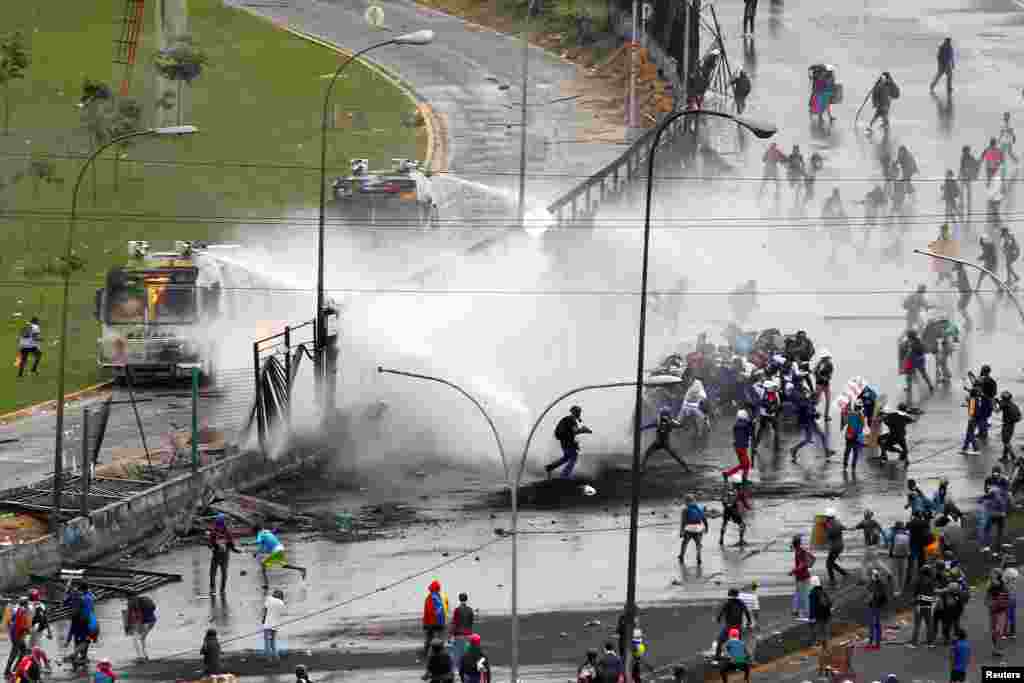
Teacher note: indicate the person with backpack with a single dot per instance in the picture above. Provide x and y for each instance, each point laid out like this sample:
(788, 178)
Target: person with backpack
(566, 431)
(1011, 416)
(19, 629)
(461, 628)
(142, 616)
(883, 93)
(820, 612)
(692, 527)
(834, 530)
(953, 598)
(899, 552)
(823, 371)
(803, 560)
(855, 424)
(731, 513)
(945, 59)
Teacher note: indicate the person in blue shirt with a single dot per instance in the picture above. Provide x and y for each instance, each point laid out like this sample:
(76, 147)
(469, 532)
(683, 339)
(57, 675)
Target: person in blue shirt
(270, 551)
(736, 657)
(960, 653)
(693, 526)
(663, 427)
(807, 415)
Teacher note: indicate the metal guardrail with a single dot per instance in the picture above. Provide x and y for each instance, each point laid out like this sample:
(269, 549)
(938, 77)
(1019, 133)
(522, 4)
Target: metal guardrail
(609, 182)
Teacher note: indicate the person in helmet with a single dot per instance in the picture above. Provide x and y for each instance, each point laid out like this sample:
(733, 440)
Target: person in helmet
(568, 428)
(769, 409)
(663, 427)
(1011, 416)
(896, 438)
(742, 436)
(105, 672)
(301, 674)
(693, 525)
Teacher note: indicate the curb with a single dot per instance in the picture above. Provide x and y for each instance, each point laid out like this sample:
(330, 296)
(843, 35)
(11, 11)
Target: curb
(28, 410)
(436, 158)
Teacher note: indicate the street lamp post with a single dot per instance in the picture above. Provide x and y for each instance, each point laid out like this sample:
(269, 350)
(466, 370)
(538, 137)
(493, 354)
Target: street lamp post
(761, 131)
(518, 478)
(58, 456)
(1002, 285)
(416, 38)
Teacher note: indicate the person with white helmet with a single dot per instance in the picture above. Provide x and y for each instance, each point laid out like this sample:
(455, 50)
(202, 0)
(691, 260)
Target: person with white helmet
(663, 427)
(823, 371)
(742, 435)
(769, 408)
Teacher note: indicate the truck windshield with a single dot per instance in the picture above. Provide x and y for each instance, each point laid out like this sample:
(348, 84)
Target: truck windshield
(151, 298)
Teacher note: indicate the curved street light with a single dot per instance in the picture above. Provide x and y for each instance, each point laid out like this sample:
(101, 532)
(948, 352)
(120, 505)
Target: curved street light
(514, 485)
(1002, 285)
(763, 131)
(416, 38)
(58, 456)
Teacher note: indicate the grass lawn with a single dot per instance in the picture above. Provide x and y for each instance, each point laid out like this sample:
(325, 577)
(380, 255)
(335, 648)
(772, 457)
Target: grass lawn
(257, 104)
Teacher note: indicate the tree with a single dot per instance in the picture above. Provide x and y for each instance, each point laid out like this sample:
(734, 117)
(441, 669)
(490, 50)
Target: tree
(14, 59)
(125, 119)
(96, 117)
(183, 62)
(42, 170)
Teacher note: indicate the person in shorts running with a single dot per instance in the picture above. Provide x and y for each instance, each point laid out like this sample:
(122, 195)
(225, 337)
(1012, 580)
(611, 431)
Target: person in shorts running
(270, 552)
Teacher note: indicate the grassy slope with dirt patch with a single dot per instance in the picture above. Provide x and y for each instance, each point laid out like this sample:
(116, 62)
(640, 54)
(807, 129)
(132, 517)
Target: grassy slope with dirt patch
(258, 104)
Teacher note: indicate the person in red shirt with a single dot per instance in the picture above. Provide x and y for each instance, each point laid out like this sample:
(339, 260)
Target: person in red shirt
(992, 158)
(801, 573)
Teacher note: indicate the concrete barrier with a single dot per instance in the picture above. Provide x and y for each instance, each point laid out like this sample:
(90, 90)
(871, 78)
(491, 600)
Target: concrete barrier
(116, 526)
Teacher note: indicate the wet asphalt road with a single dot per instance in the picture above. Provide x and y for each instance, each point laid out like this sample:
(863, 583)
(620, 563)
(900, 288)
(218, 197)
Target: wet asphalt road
(861, 40)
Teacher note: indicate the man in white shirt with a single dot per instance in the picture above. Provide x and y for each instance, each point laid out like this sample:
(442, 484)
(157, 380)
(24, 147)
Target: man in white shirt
(28, 345)
(750, 598)
(273, 610)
